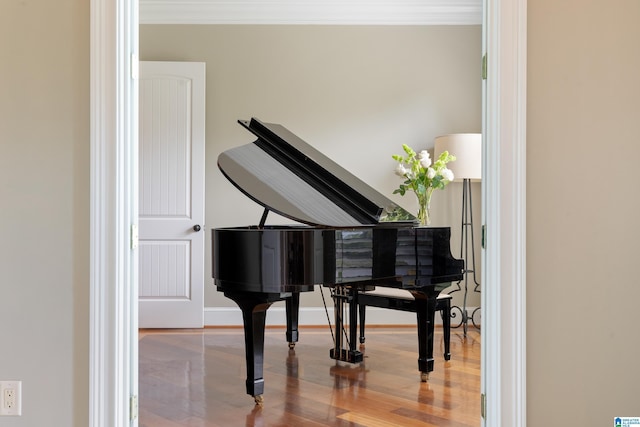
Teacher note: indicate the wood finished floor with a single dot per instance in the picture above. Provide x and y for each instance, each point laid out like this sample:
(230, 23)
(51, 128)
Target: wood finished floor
(196, 378)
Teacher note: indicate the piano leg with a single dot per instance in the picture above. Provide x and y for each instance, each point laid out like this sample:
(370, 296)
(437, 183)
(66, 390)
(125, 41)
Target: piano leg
(292, 304)
(425, 312)
(254, 312)
(362, 308)
(446, 326)
(353, 319)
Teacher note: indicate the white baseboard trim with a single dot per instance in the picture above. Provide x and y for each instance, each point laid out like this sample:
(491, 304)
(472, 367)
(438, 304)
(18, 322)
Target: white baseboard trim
(311, 316)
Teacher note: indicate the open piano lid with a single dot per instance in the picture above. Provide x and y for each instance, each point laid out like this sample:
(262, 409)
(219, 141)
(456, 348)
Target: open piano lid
(286, 175)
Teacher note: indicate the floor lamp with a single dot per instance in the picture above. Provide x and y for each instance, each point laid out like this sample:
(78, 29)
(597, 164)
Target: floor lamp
(467, 147)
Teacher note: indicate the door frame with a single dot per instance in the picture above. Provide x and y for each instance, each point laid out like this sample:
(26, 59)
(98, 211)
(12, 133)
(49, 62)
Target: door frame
(113, 351)
(113, 302)
(503, 300)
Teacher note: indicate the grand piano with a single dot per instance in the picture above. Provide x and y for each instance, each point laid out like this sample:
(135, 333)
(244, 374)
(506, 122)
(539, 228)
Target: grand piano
(347, 237)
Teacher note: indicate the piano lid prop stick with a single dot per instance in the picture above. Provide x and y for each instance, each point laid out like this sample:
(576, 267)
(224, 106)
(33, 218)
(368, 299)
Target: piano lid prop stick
(264, 218)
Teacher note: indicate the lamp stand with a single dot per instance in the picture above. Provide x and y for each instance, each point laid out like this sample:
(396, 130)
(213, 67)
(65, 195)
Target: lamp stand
(466, 229)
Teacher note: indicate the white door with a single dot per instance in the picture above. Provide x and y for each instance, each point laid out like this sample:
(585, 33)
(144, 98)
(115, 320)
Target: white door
(171, 199)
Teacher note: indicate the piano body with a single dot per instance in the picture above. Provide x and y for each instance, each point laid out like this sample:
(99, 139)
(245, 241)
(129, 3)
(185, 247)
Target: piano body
(347, 240)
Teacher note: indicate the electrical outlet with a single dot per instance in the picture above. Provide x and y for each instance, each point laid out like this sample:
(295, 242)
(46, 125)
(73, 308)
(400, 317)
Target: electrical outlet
(10, 398)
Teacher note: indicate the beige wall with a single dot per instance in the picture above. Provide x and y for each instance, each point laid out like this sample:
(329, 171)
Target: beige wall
(583, 343)
(44, 209)
(357, 93)
(583, 91)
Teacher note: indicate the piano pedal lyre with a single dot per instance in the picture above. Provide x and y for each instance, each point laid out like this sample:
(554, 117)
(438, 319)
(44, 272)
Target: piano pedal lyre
(345, 307)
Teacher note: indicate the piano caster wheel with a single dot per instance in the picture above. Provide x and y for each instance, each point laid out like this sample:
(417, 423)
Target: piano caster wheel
(424, 377)
(259, 400)
(291, 345)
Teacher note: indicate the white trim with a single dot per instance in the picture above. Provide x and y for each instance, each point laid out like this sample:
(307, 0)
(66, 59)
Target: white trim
(113, 266)
(504, 213)
(312, 316)
(321, 12)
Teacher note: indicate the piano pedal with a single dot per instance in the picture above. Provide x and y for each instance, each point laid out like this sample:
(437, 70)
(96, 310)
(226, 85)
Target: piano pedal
(351, 356)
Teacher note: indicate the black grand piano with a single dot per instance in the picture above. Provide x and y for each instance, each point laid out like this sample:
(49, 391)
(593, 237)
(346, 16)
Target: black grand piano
(349, 239)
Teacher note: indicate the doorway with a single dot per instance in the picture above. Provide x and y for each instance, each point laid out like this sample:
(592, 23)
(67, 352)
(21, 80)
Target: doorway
(113, 313)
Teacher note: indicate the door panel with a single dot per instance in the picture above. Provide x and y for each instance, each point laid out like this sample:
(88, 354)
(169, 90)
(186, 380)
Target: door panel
(166, 273)
(171, 196)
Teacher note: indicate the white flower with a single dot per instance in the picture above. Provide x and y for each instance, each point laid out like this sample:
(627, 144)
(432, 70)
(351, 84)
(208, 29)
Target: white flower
(423, 154)
(447, 174)
(425, 159)
(400, 170)
(431, 173)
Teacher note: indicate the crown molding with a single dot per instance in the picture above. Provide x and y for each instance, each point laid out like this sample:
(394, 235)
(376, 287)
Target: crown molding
(312, 12)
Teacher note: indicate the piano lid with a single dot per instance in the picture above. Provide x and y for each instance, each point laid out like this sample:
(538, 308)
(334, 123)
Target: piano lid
(288, 176)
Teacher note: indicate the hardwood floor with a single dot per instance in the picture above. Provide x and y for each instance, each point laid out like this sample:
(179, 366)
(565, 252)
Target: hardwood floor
(196, 378)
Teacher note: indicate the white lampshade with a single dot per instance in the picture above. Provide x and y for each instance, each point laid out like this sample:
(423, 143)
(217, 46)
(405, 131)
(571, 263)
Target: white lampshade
(467, 147)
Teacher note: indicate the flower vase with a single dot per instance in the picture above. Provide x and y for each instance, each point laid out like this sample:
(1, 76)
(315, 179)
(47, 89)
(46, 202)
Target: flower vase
(424, 209)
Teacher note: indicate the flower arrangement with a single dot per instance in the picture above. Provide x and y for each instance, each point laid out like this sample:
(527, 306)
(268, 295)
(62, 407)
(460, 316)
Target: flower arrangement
(422, 176)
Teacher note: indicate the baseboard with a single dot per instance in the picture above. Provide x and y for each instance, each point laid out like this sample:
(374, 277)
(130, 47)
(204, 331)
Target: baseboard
(311, 316)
